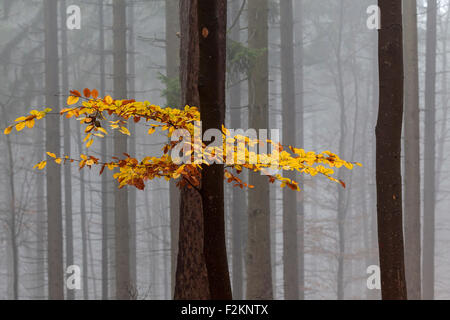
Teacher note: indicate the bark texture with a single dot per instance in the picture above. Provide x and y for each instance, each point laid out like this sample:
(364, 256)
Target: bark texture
(388, 160)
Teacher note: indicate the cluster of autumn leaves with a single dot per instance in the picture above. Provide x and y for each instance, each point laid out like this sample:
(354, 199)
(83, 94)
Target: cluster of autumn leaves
(95, 113)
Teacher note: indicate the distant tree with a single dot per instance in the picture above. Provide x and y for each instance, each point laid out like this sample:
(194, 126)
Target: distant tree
(412, 153)
(429, 177)
(259, 269)
(52, 142)
(290, 240)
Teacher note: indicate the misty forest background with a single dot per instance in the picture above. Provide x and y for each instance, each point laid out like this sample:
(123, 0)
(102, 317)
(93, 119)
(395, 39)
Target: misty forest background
(332, 87)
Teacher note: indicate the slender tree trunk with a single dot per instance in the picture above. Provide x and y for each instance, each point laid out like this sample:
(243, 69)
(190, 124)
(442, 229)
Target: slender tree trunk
(40, 222)
(388, 158)
(52, 144)
(67, 149)
(172, 72)
(290, 241)
(238, 205)
(298, 7)
(341, 207)
(132, 147)
(83, 223)
(429, 196)
(12, 222)
(104, 177)
(122, 232)
(259, 269)
(412, 152)
(191, 275)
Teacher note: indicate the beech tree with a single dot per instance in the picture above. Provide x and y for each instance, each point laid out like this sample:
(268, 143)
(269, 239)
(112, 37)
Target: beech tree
(94, 112)
(388, 159)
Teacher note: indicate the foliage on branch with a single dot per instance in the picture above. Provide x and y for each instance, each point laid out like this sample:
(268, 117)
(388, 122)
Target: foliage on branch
(100, 116)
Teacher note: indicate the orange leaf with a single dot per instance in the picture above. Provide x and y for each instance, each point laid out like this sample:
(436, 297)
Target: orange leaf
(87, 92)
(75, 93)
(94, 93)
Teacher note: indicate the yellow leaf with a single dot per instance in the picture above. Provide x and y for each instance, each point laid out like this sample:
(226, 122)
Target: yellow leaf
(102, 130)
(41, 165)
(8, 130)
(20, 119)
(108, 99)
(52, 155)
(30, 123)
(151, 130)
(89, 143)
(20, 126)
(71, 100)
(125, 131)
(58, 160)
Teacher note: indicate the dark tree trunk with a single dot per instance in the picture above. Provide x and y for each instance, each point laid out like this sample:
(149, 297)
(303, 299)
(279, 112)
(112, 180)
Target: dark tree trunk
(388, 160)
(191, 275)
(212, 22)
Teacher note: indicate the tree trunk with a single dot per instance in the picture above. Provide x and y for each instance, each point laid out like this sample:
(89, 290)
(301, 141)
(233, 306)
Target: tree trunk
(290, 241)
(172, 71)
(122, 233)
(412, 152)
(84, 257)
(70, 293)
(388, 157)
(298, 7)
(52, 144)
(238, 205)
(259, 269)
(429, 196)
(341, 208)
(191, 275)
(104, 177)
(211, 86)
(132, 148)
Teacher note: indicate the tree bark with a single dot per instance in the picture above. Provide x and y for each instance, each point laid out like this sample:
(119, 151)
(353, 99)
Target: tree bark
(122, 232)
(132, 192)
(412, 152)
(212, 22)
(290, 241)
(388, 157)
(191, 275)
(259, 269)
(70, 293)
(429, 177)
(238, 205)
(173, 71)
(104, 177)
(52, 144)
(299, 53)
